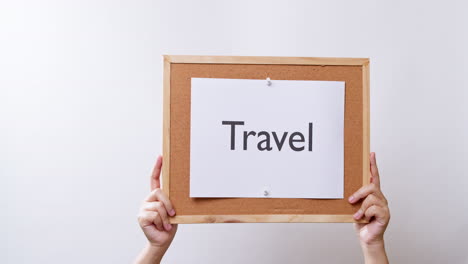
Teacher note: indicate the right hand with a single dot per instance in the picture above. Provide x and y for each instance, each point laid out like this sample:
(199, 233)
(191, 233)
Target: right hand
(154, 211)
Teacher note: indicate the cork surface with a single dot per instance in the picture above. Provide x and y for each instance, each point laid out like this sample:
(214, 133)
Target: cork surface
(179, 170)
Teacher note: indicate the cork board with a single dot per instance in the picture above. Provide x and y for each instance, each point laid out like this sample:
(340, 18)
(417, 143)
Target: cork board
(178, 71)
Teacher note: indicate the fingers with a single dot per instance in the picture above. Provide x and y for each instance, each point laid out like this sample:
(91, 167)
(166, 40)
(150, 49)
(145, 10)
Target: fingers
(374, 170)
(159, 195)
(158, 201)
(161, 210)
(155, 176)
(157, 221)
(381, 214)
(364, 191)
(370, 200)
(147, 218)
(375, 204)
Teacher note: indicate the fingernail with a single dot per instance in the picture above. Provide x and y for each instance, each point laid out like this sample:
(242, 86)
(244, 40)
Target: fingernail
(351, 199)
(172, 212)
(168, 227)
(357, 215)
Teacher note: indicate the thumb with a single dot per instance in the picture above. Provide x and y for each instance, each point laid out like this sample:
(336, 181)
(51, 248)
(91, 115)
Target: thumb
(155, 176)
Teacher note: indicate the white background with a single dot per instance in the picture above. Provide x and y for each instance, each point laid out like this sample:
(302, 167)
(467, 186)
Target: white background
(81, 117)
(284, 106)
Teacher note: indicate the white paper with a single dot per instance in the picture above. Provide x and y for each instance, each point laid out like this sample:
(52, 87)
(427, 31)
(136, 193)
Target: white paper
(285, 106)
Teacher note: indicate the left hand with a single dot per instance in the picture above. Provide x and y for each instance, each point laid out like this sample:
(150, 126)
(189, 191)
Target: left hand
(154, 220)
(155, 211)
(374, 209)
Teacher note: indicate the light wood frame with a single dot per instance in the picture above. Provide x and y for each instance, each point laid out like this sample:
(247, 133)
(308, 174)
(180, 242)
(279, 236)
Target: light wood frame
(270, 218)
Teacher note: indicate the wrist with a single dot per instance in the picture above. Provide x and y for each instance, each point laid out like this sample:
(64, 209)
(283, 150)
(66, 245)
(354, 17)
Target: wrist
(153, 253)
(373, 244)
(374, 252)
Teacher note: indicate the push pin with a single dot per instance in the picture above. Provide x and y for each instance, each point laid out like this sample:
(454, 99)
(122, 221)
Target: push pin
(266, 193)
(268, 81)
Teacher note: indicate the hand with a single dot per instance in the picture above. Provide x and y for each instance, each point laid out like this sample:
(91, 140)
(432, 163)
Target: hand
(154, 221)
(375, 210)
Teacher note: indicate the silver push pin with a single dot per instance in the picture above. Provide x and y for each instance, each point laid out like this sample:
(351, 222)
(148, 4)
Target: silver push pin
(268, 81)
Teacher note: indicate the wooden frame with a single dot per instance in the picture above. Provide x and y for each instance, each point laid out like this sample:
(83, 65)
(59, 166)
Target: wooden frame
(271, 218)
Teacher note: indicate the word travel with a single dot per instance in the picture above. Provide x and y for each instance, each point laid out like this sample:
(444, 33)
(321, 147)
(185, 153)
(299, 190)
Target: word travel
(297, 141)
